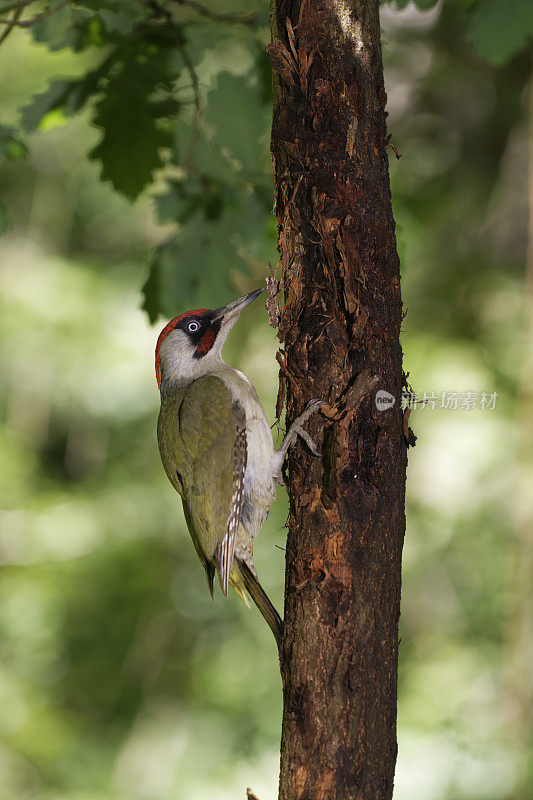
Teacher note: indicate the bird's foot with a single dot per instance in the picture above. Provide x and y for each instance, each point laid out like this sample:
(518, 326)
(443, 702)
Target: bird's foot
(296, 430)
(307, 439)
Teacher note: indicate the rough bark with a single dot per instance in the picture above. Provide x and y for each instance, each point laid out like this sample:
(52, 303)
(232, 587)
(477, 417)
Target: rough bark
(340, 326)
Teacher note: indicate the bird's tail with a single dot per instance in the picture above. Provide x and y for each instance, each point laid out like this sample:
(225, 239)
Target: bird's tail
(250, 584)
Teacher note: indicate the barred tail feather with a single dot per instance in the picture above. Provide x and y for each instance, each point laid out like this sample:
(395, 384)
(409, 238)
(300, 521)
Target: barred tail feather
(224, 554)
(260, 598)
(226, 549)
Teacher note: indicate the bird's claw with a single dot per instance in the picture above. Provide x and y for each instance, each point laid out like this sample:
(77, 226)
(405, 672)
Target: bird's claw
(307, 439)
(296, 429)
(311, 407)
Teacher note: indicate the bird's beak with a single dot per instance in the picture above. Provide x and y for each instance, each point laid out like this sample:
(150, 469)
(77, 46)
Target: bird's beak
(231, 312)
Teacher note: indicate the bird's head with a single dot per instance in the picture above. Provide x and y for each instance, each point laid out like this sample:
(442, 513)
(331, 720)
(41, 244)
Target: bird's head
(190, 345)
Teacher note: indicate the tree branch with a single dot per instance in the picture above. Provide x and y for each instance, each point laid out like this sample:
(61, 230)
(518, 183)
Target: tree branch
(12, 23)
(27, 23)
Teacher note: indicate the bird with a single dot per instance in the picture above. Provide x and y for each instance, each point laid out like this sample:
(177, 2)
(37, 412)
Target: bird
(216, 447)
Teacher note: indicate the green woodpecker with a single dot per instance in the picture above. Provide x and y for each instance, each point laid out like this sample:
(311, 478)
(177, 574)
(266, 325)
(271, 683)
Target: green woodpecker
(216, 447)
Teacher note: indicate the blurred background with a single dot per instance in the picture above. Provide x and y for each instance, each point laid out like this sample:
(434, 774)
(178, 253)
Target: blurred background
(119, 678)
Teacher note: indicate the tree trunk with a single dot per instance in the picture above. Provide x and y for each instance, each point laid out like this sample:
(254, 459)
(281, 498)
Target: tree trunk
(340, 326)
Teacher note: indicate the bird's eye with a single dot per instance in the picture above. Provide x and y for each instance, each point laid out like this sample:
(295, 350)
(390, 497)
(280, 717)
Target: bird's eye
(192, 327)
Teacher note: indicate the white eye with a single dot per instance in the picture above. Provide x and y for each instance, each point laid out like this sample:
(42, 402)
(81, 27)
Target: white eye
(192, 327)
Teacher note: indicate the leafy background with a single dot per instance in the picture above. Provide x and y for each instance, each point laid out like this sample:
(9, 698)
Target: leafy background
(136, 173)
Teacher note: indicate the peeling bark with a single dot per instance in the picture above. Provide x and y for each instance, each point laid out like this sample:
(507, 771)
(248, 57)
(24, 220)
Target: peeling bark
(340, 326)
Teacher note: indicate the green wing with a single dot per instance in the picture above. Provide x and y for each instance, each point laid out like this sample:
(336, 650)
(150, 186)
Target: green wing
(200, 434)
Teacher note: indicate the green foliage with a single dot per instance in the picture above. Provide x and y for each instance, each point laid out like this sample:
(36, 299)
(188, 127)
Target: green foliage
(135, 112)
(499, 29)
(194, 261)
(65, 28)
(160, 122)
(167, 119)
(135, 105)
(65, 97)
(229, 190)
(119, 18)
